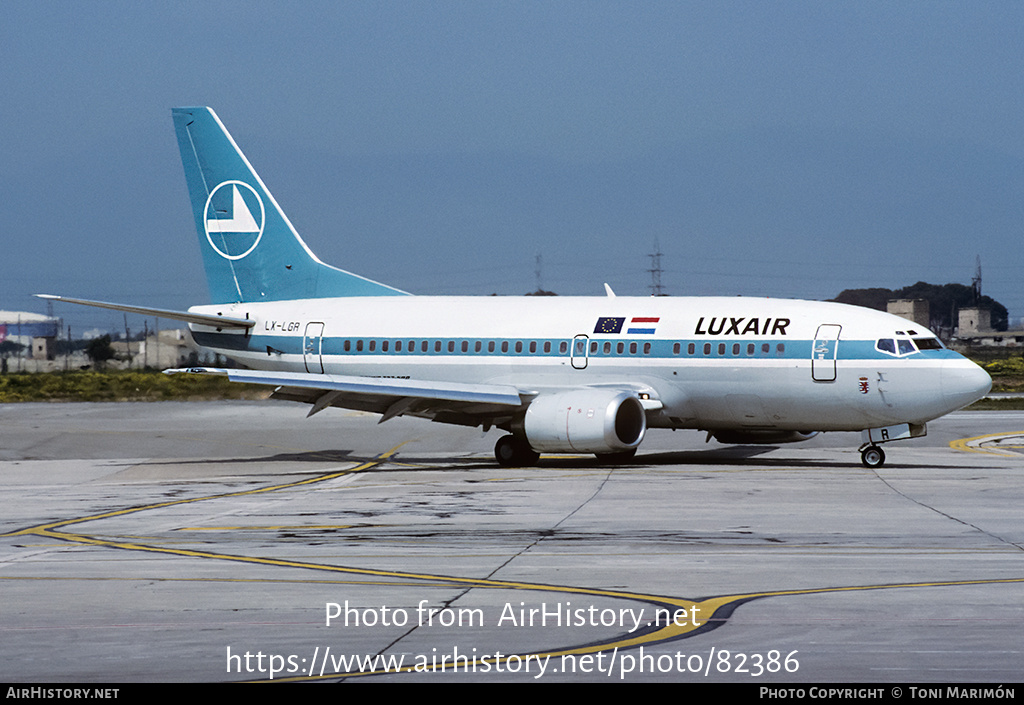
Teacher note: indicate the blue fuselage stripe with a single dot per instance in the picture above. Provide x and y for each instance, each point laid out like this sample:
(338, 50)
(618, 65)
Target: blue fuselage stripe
(617, 347)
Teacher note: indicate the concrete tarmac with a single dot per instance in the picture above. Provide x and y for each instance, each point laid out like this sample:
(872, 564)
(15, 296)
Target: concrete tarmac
(240, 541)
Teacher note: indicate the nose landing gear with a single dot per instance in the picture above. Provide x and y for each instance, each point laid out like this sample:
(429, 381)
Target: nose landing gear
(871, 455)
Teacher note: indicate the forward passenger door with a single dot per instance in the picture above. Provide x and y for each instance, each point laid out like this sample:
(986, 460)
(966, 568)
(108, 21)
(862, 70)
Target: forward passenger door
(824, 352)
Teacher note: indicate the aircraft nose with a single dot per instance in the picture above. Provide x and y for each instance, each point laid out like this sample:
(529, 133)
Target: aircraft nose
(964, 383)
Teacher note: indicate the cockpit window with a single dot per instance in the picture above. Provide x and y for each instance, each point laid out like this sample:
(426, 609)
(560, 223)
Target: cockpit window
(886, 345)
(904, 346)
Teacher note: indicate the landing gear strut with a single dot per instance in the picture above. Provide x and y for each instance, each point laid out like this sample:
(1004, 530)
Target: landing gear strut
(512, 451)
(872, 457)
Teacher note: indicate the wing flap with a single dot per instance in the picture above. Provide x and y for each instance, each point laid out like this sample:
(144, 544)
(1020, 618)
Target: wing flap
(387, 396)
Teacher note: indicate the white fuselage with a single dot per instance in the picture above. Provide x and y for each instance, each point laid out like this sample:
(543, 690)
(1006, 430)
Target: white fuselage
(710, 363)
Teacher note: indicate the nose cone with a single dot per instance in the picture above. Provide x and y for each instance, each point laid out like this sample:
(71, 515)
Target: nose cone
(963, 383)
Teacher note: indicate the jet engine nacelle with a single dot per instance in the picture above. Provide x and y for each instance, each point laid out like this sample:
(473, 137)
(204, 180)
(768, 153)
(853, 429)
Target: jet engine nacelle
(759, 437)
(585, 420)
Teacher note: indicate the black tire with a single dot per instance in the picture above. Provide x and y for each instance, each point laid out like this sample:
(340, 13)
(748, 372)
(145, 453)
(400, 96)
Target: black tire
(872, 457)
(511, 452)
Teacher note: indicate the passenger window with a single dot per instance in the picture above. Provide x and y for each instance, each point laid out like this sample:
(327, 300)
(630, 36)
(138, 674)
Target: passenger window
(620, 348)
(519, 346)
(359, 346)
(691, 349)
(490, 346)
(547, 346)
(348, 345)
(563, 348)
(478, 346)
(750, 348)
(593, 347)
(384, 346)
(675, 349)
(735, 348)
(465, 346)
(707, 348)
(607, 348)
(451, 346)
(632, 348)
(647, 348)
(721, 348)
(504, 346)
(766, 348)
(780, 349)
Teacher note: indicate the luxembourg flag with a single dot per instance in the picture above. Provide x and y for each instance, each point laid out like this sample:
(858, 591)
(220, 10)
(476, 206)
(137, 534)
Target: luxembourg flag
(639, 325)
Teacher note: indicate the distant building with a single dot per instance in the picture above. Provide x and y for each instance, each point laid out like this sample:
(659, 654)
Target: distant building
(916, 310)
(37, 337)
(975, 328)
(172, 348)
(974, 321)
(36, 333)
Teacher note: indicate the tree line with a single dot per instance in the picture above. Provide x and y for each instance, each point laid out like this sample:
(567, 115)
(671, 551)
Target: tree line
(945, 301)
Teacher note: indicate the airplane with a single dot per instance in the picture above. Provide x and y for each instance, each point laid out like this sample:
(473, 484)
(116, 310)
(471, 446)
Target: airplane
(557, 374)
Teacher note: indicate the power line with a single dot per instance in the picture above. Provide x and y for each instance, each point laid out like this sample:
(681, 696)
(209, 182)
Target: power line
(655, 270)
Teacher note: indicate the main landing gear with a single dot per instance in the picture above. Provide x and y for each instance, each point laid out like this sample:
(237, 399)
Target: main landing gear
(872, 457)
(512, 451)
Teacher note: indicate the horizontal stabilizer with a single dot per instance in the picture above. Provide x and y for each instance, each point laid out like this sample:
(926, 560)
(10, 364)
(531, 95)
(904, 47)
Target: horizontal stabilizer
(186, 316)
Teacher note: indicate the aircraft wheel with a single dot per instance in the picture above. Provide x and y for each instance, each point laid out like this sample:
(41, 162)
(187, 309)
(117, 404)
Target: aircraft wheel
(511, 451)
(872, 457)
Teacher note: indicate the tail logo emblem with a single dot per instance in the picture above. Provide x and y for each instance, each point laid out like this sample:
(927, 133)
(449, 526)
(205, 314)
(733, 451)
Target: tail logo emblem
(231, 228)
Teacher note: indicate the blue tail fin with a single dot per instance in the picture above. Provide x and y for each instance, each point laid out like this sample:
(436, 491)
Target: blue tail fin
(250, 250)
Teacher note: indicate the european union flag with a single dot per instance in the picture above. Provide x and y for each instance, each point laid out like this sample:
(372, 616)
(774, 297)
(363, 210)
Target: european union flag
(609, 325)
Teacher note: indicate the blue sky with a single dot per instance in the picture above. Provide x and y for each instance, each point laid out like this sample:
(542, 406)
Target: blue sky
(788, 149)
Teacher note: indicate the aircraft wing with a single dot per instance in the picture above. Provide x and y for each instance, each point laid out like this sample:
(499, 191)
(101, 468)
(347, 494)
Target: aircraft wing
(449, 402)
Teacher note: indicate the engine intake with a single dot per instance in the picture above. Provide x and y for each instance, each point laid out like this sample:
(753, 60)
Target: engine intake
(585, 421)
